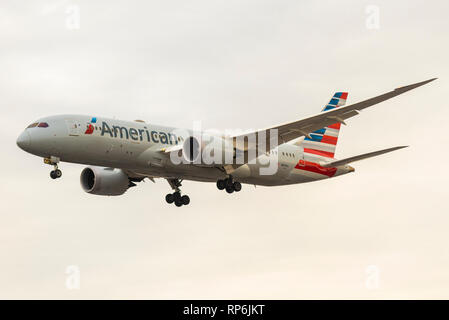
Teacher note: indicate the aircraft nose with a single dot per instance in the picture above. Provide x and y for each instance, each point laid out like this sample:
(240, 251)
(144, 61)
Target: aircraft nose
(24, 140)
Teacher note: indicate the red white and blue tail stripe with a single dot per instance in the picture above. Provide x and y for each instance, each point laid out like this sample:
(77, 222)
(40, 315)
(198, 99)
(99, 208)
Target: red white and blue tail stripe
(322, 142)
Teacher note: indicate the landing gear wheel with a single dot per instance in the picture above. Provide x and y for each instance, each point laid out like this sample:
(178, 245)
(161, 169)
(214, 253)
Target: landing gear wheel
(53, 161)
(185, 200)
(228, 183)
(229, 189)
(237, 186)
(221, 184)
(58, 173)
(170, 198)
(177, 196)
(178, 203)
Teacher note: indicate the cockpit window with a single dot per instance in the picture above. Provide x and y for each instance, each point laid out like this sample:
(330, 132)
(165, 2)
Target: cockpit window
(33, 125)
(43, 125)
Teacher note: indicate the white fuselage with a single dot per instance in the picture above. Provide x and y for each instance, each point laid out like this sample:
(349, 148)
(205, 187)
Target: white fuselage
(136, 147)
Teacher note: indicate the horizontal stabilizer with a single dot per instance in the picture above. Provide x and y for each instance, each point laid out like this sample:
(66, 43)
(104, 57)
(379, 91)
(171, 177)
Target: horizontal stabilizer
(337, 163)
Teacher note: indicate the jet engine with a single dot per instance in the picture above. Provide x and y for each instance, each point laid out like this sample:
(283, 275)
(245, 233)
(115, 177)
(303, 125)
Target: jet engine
(104, 181)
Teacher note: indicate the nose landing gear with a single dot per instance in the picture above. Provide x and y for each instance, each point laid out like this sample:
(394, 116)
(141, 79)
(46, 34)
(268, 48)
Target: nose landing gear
(56, 174)
(176, 197)
(229, 185)
(53, 161)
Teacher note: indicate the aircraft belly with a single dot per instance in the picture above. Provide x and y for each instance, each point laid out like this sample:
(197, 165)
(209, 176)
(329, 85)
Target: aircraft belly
(255, 177)
(186, 172)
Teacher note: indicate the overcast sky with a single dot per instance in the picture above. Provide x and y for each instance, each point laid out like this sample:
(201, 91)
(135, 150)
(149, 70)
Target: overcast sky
(381, 232)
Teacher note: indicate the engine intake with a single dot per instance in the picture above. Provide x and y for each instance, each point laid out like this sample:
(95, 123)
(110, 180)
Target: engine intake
(104, 181)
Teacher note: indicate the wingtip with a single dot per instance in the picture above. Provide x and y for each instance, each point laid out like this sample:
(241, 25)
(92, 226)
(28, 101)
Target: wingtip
(415, 85)
(397, 148)
(430, 80)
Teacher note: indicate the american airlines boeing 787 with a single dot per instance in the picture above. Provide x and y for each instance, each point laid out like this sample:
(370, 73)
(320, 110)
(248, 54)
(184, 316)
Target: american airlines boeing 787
(120, 154)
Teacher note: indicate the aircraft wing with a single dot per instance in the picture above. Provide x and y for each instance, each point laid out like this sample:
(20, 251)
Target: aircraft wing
(341, 162)
(304, 127)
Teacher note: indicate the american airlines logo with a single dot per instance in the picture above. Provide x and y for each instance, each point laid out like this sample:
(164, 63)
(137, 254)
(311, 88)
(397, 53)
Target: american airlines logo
(90, 127)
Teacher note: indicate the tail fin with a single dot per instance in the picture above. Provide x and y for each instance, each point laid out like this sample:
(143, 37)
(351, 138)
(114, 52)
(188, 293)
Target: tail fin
(323, 142)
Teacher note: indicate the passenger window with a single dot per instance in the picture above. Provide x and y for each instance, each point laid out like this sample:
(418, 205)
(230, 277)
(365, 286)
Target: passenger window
(43, 125)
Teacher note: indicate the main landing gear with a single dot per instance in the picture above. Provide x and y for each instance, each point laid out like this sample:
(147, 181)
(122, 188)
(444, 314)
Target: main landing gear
(229, 184)
(176, 196)
(53, 161)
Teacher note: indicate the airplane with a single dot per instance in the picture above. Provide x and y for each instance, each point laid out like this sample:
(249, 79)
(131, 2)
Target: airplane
(120, 154)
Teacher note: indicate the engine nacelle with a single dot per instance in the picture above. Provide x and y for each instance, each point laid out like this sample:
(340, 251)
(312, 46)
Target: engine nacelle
(104, 181)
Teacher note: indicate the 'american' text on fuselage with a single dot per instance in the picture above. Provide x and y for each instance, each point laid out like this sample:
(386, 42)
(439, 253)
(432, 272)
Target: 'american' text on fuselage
(138, 134)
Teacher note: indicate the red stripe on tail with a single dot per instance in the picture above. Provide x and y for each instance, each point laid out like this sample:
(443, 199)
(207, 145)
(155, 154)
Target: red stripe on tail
(335, 126)
(320, 152)
(329, 139)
